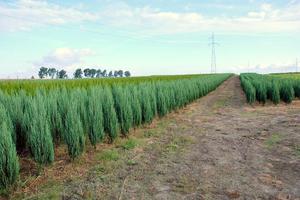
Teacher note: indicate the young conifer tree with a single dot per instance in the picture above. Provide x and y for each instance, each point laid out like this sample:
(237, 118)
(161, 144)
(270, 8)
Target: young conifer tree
(39, 138)
(275, 95)
(74, 135)
(111, 126)
(95, 115)
(123, 108)
(9, 164)
(145, 99)
(135, 105)
(287, 92)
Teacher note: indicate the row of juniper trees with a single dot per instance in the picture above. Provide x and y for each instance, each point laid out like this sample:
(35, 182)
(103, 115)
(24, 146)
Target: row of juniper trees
(52, 73)
(77, 117)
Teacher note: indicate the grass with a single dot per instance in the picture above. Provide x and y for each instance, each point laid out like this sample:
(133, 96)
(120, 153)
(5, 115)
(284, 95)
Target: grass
(132, 162)
(129, 144)
(297, 150)
(109, 155)
(273, 140)
(179, 141)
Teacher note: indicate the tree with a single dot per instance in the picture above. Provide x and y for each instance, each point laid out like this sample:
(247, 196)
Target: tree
(110, 74)
(116, 73)
(9, 164)
(120, 73)
(98, 73)
(51, 72)
(43, 72)
(87, 72)
(104, 73)
(39, 138)
(74, 136)
(78, 73)
(127, 73)
(62, 74)
(93, 73)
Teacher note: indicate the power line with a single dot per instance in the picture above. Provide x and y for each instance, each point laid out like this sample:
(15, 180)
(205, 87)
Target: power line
(213, 54)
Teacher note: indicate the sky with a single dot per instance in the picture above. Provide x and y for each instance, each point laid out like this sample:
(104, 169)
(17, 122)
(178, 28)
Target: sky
(148, 37)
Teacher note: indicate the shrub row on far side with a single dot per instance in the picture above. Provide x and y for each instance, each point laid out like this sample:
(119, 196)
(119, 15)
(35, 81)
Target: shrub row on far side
(263, 87)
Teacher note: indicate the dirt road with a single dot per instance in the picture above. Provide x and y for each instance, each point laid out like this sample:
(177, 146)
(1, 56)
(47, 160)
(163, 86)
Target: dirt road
(219, 147)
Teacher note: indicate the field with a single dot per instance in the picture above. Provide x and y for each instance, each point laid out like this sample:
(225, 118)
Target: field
(165, 137)
(276, 88)
(37, 116)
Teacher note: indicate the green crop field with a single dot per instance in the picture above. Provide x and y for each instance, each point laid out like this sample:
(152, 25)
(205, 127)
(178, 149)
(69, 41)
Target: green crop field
(276, 87)
(37, 115)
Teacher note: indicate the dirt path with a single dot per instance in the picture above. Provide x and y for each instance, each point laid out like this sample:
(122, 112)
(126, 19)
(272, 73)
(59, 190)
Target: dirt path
(217, 148)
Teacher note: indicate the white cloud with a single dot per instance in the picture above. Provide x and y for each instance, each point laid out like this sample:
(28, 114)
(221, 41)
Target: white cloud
(264, 19)
(65, 58)
(266, 68)
(26, 14)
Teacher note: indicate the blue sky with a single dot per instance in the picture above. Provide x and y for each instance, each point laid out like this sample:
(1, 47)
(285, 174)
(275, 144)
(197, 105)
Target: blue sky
(148, 37)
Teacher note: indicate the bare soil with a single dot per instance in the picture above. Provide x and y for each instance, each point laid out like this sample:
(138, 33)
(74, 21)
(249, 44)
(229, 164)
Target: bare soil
(219, 147)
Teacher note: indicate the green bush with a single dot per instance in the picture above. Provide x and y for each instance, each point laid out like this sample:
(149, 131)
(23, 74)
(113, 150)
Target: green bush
(145, 99)
(123, 108)
(161, 99)
(275, 94)
(111, 126)
(287, 92)
(74, 136)
(135, 105)
(9, 164)
(95, 116)
(39, 137)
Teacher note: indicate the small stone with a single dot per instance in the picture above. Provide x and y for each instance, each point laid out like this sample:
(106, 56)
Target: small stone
(282, 196)
(232, 194)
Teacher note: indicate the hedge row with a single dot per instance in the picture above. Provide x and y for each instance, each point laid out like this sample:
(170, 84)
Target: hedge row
(264, 87)
(80, 116)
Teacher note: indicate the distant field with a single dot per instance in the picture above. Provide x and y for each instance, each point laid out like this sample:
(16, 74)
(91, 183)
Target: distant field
(288, 75)
(32, 85)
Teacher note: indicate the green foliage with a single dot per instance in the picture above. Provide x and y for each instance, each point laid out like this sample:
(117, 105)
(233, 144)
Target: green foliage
(110, 117)
(270, 87)
(54, 115)
(95, 116)
(287, 92)
(135, 105)
(161, 98)
(74, 136)
(249, 90)
(297, 88)
(39, 137)
(145, 99)
(68, 111)
(9, 164)
(123, 108)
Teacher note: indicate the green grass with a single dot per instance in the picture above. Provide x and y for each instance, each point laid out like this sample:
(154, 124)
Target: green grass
(273, 140)
(129, 144)
(297, 150)
(109, 155)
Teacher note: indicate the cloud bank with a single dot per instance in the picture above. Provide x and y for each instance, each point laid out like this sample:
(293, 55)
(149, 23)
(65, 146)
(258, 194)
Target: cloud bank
(27, 14)
(65, 58)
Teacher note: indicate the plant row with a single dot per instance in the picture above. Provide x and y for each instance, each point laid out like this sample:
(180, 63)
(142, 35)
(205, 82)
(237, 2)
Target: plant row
(85, 116)
(31, 86)
(265, 87)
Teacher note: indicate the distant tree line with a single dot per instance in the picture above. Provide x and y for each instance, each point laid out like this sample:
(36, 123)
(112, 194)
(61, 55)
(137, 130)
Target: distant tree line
(52, 73)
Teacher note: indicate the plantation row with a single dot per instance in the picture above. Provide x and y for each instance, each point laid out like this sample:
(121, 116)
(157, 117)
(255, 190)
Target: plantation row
(30, 86)
(275, 88)
(86, 115)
